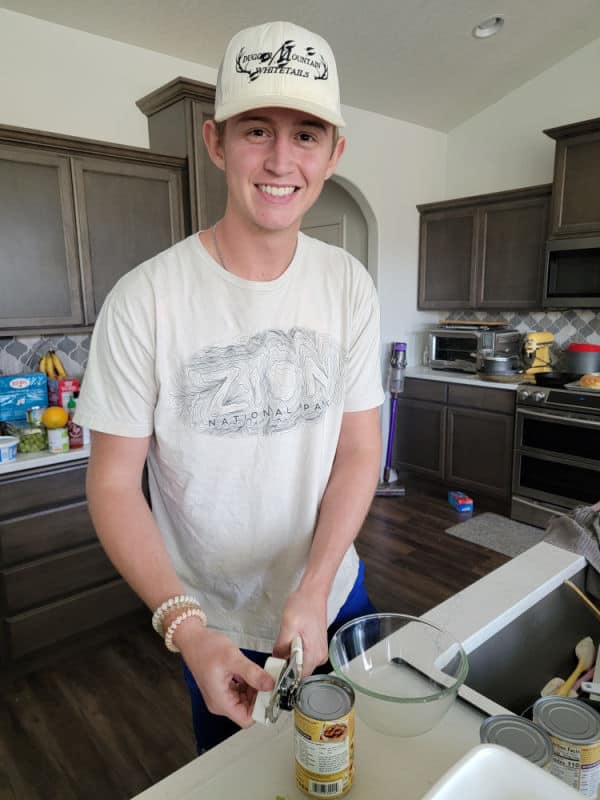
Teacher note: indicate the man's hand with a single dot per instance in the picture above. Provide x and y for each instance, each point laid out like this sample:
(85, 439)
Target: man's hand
(227, 679)
(304, 615)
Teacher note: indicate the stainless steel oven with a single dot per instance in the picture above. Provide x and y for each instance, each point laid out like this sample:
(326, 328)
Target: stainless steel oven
(557, 452)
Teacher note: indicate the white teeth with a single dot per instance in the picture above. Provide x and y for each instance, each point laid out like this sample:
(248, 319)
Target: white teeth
(277, 191)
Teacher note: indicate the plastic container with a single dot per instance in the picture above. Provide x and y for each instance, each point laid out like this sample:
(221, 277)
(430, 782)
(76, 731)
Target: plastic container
(8, 448)
(32, 439)
(405, 671)
(495, 773)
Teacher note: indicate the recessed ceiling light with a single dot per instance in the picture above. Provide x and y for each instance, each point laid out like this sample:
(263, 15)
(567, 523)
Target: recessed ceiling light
(489, 27)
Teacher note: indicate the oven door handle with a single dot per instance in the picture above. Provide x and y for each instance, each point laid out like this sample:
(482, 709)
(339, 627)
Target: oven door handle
(588, 423)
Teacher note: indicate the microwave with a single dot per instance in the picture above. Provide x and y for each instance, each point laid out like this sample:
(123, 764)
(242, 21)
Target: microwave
(459, 348)
(572, 273)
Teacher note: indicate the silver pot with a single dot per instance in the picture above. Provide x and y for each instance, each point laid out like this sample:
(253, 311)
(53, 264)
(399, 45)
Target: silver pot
(498, 365)
(582, 361)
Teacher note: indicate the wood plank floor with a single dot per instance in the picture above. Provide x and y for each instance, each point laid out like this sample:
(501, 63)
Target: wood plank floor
(115, 719)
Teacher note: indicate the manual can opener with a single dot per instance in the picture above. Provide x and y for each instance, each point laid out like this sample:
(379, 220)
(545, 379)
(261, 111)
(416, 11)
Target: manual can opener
(287, 675)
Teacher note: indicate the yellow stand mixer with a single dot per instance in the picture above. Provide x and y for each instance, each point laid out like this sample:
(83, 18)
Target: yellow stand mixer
(536, 352)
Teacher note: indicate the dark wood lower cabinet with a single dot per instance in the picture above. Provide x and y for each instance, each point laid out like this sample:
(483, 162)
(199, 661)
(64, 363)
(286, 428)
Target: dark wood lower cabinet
(461, 435)
(420, 439)
(479, 450)
(57, 585)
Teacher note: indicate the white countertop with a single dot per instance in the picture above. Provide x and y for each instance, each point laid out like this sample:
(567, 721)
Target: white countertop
(452, 376)
(258, 764)
(44, 458)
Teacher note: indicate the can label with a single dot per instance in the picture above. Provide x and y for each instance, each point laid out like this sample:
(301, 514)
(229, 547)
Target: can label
(34, 415)
(324, 751)
(577, 765)
(574, 731)
(58, 440)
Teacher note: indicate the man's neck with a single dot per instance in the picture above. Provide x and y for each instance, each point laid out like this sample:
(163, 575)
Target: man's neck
(252, 254)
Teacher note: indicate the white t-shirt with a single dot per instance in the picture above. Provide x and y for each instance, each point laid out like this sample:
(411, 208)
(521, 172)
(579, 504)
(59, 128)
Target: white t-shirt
(242, 385)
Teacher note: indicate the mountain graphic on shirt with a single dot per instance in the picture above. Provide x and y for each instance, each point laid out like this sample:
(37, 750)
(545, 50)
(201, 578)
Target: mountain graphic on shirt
(272, 381)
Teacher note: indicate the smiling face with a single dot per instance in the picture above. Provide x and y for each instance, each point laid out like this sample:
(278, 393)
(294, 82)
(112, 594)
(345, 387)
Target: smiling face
(275, 161)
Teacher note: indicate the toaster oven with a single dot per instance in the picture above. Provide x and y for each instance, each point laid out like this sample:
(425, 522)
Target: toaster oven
(459, 348)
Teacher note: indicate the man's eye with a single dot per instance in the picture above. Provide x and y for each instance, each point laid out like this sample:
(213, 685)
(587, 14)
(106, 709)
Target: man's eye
(307, 137)
(258, 132)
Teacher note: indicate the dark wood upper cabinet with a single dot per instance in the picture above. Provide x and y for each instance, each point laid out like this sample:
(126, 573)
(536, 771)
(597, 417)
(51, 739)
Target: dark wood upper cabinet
(448, 257)
(176, 113)
(576, 192)
(485, 251)
(511, 252)
(38, 254)
(76, 215)
(126, 213)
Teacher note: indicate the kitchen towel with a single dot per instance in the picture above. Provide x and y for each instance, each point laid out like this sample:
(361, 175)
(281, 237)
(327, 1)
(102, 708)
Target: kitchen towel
(579, 532)
(498, 533)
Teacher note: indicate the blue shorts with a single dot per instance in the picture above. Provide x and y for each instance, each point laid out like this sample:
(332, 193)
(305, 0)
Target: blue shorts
(211, 729)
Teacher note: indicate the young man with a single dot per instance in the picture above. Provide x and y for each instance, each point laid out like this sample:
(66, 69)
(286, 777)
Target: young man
(243, 365)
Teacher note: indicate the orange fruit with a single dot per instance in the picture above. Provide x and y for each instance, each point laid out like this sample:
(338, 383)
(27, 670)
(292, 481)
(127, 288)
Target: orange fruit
(55, 417)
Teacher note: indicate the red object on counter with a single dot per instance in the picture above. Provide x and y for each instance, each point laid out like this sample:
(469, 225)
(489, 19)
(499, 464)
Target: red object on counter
(583, 347)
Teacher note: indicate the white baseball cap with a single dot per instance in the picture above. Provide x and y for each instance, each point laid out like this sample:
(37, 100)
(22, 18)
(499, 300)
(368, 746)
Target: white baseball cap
(282, 65)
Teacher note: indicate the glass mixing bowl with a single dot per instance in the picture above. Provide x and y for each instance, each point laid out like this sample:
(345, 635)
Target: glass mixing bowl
(405, 671)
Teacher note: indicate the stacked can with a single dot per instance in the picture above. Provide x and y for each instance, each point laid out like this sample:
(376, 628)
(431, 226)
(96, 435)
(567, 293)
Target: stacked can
(574, 729)
(324, 736)
(519, 735)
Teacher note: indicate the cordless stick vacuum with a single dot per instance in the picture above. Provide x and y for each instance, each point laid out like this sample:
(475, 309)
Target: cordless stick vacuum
(397, 367)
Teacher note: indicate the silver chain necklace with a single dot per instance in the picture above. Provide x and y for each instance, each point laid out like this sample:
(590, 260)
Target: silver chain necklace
(220, 255)
(217, 248)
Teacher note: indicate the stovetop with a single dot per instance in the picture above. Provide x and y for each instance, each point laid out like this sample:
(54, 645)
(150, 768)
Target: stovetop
(569, 398)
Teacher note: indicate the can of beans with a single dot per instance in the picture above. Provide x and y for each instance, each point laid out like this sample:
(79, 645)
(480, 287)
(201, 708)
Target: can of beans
(519, 735)
(324, 736)
(574, 729)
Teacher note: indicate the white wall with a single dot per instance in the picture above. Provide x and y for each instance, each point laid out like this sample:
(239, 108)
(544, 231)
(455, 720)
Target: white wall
(504, 147)
(71, 82)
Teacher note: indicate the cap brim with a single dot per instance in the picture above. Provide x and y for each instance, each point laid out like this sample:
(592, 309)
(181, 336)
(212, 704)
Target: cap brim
(228, 110)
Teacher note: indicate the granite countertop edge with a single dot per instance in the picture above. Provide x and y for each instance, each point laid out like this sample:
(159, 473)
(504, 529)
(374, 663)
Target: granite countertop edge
(452, 376)
(44, 458)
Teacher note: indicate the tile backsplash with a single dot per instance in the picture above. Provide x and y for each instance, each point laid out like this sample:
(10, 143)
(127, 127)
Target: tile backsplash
(22, 354)
(573, 325)
(582, 325)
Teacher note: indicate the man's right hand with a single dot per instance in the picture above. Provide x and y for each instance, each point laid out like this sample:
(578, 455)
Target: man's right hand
(227, 679)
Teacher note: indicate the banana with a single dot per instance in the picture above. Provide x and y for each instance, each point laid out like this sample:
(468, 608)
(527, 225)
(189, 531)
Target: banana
(49, 366)
(42, 364)
(57, 364)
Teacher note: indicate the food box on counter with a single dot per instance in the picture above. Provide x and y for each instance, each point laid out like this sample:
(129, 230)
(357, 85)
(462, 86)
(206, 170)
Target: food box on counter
(460, 501)
(20, 392)
(60, 390)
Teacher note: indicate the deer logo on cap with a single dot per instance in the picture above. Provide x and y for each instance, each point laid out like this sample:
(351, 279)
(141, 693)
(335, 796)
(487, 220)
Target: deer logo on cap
(285, 60)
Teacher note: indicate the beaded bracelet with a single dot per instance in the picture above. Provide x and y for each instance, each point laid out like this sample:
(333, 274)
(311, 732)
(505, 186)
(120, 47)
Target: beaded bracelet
(191, 612)
(178, 601)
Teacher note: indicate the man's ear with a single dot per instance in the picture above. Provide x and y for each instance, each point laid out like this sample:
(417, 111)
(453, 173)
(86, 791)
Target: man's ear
(339, 148)
(214, 145)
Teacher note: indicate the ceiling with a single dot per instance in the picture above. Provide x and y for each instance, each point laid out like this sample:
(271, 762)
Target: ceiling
(415, 60)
